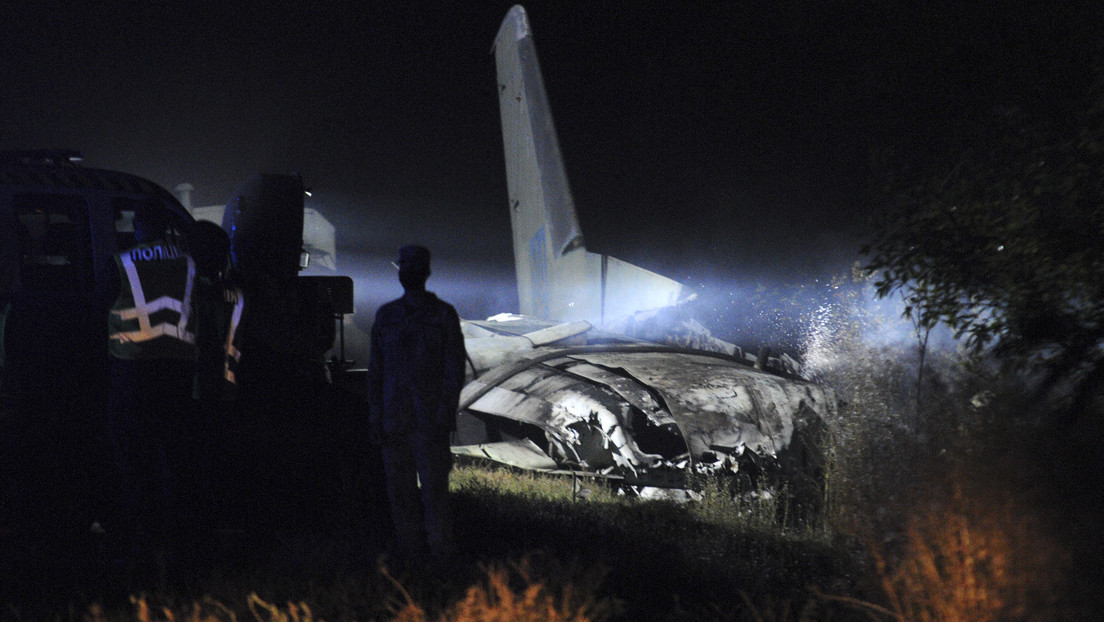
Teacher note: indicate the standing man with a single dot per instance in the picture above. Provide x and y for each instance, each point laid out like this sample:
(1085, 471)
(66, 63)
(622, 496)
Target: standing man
(415, 373)
(218, 304)
(152, 346)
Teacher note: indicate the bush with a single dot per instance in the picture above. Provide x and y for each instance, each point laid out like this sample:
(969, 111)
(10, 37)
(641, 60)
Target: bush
(939, 479)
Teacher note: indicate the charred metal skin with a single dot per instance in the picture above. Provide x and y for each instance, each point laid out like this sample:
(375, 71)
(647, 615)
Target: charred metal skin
(641, 412)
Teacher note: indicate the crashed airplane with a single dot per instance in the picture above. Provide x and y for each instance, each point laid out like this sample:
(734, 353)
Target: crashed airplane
(568, 386)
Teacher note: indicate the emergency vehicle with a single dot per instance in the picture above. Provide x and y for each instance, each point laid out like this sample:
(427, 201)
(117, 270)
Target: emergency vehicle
(61, 225)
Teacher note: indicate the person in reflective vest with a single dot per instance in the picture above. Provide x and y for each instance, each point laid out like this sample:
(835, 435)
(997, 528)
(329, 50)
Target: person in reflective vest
(152, 347)
(219, 305)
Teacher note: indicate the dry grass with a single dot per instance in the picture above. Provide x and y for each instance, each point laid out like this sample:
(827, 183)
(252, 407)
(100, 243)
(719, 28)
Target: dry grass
(974, 552)
(512, 593)
(507, 594)
(966, 557)
(205, 610)
(951, 570)
(480, 477)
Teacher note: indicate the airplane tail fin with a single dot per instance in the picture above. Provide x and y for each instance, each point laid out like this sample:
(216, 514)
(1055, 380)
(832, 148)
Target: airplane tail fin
(558, 279)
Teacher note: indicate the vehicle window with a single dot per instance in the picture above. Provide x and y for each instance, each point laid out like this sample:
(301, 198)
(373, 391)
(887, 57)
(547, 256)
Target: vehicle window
(124, 209)
(124, 225)
(54, 246)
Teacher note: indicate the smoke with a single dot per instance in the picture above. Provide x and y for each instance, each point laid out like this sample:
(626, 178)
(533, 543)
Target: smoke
(472, 260)
(756, 313)
(853, 319)
(804, 318)
(473, 268)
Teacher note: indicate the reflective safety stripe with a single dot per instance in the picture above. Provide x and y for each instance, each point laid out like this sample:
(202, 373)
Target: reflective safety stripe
(143, 309)
(162, 303)
(164, 328)
(232, 351)
(186, 306)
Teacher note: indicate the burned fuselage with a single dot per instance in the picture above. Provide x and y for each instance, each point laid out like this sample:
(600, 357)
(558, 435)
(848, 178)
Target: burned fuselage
(641, 412)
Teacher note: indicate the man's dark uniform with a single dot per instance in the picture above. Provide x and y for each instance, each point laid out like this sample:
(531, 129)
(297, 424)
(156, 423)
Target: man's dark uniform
(218, 308)
(415, 374)
(210, 453)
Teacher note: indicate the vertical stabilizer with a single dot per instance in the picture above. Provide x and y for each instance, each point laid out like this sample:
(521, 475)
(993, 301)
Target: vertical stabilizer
(557, 278)
(542, 211)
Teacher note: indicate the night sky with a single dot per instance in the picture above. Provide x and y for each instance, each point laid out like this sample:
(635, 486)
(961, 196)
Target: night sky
(727, 145)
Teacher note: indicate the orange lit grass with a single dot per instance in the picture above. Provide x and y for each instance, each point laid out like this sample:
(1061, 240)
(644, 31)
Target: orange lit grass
(507, 595)
(498, 601)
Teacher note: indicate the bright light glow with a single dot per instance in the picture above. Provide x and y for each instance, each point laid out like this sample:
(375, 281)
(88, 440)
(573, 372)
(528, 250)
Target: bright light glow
(504, 317)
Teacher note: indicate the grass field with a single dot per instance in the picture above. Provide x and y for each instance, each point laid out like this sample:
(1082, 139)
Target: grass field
(955, 500)
(550, 548)
(574, 547)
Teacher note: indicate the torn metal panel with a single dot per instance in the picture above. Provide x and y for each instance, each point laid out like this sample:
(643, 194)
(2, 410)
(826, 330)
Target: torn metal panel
(560, 333)
(489, 352)
(653, 493)
(594, 404)
(637, 409)
(523, 453)
(720, 404)
(635, 393)
(581, 424)
(513, 405)
(644, 416)
(584, 423)
(493, 343)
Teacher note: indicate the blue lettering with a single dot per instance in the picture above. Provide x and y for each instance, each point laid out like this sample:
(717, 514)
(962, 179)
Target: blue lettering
(152, 253)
